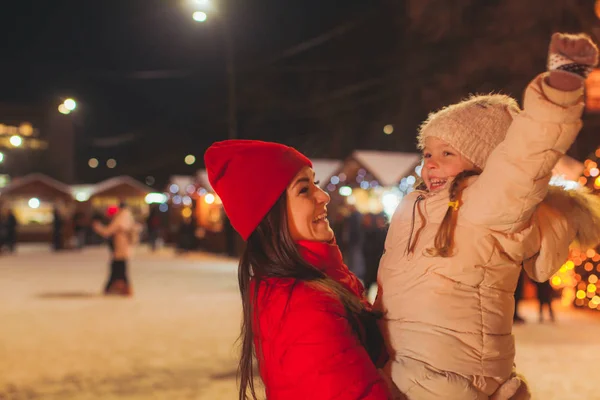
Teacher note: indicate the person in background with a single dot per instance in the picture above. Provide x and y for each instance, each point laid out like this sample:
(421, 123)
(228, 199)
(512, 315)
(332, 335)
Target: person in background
(544, 295)
(354, 241)
(79, 229)
(10, 230)
(153, 227)
(57, 229)
(122, 234)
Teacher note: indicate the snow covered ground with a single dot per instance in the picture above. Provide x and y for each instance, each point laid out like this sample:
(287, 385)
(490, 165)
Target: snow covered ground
(174, 339)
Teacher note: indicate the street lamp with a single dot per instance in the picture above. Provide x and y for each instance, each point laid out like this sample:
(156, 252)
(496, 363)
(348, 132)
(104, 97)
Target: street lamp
(63, 109)
(70, 104)
(190, 159)
(16, 140)
(202, 6)
(199, 16)
(67, 106)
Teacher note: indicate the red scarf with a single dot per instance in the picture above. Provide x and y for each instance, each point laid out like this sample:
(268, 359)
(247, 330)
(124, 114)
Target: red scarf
(327, 257)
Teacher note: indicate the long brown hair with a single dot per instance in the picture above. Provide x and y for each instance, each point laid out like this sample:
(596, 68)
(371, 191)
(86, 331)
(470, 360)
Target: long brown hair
(444, 239)
(271, 252)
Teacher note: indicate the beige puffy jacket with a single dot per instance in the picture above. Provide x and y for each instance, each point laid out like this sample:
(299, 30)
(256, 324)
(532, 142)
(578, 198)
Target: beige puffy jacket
(456, 313)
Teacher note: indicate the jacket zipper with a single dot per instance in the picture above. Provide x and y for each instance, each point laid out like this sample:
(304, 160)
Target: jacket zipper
(412, 224)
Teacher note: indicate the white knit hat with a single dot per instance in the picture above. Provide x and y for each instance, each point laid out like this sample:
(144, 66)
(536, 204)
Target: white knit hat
(474, 127)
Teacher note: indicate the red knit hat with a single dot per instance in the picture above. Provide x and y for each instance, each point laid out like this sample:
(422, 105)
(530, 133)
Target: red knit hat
(249, 176)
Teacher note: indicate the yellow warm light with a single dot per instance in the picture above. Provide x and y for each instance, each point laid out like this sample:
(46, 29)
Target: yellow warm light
(580, 294)
(190, 159)
(597, 182)
(186, 212)
(26, 129)
(595, 300)
(556, 281)
(593, 279)
(569, 264)
(568, 295)
(63, 109)
(209, 198)
(591, 253)
(591, 288)
(592, 305)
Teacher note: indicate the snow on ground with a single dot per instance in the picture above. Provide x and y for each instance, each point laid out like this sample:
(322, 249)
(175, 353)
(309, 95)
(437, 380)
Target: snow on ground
(174, 339)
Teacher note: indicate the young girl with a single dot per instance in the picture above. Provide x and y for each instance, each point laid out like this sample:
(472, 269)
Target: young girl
(454, 250)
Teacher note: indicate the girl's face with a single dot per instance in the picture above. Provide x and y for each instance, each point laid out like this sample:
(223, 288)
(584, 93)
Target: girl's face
(307, 208)
(441, 163)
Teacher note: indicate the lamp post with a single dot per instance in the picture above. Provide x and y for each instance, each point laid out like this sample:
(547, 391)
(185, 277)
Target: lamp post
(201, 16)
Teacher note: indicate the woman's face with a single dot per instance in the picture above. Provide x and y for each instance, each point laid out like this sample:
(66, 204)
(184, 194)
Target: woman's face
(307, 208)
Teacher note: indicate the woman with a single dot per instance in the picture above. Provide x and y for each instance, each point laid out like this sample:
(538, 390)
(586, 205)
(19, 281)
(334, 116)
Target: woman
(122, 233)
(305, 315)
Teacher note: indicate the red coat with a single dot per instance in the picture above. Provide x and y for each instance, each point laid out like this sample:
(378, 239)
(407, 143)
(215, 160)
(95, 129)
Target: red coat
(308, 347)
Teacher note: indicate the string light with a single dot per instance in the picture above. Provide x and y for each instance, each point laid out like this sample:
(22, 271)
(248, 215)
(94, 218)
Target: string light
(578, 277)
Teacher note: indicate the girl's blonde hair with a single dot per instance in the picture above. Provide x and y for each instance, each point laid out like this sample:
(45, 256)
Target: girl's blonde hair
(443, 245)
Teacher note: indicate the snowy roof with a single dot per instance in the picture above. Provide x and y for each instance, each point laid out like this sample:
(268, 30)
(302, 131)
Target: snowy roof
(18, 182)
(120, 180)
(388, 167)
(325, 168)
(84, 192)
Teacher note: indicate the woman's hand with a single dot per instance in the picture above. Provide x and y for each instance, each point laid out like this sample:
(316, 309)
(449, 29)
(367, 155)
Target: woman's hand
(570, 58)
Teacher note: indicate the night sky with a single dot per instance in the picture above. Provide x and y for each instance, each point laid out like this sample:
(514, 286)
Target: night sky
(151, 82)
(142, 70)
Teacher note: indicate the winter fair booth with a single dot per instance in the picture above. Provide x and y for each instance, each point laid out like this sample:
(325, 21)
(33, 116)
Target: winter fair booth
(373, 181)
(33, 199)
(97, 198)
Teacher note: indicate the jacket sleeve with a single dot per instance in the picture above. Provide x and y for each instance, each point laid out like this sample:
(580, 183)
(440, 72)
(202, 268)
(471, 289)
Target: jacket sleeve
(555, 234)
(515, 178)
(562, 219)
(325, 356)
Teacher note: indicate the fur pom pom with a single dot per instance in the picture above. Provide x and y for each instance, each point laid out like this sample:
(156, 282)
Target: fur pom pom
(582, 208)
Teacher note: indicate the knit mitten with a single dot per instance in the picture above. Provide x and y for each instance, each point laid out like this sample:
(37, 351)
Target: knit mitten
(575, 55)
